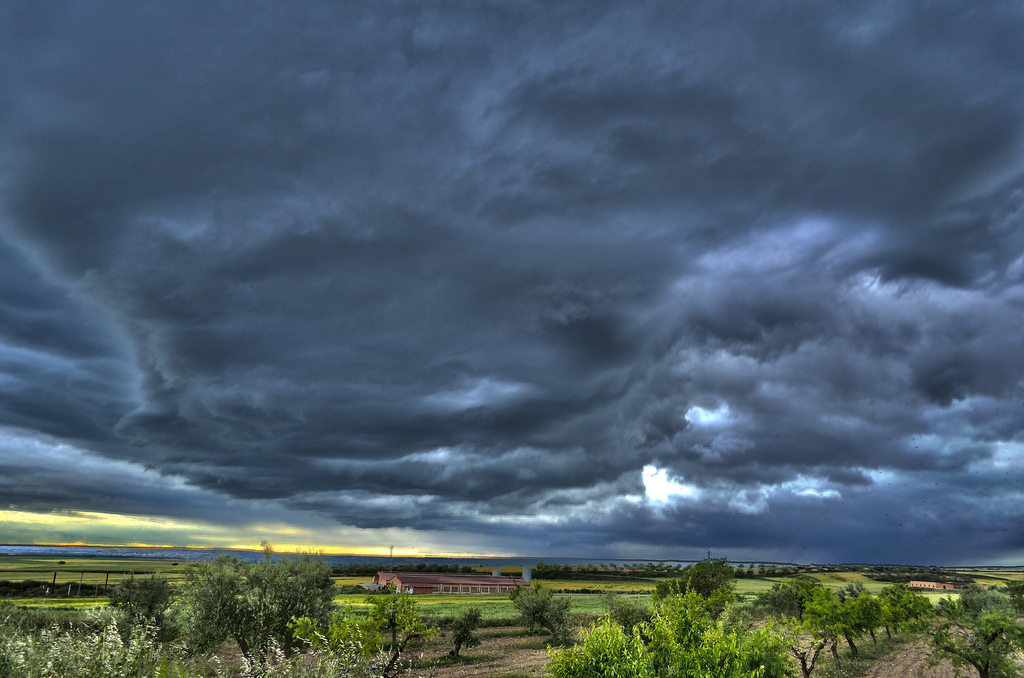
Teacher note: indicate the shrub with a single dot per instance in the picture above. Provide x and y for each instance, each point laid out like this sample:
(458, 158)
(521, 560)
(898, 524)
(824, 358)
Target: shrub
(682, 639)
(538, 608)
(253, 604)
(462, 628)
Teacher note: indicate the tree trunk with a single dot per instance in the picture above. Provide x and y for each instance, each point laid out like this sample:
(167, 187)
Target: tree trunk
(834, 651)
(807, 663)
(873, 639)
(244, 647)
(849, 641)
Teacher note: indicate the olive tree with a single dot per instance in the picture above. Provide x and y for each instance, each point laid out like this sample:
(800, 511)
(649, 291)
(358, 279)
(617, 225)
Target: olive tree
(253, 604)
(704, 578)
(147, 597)
(786, 600)
(462, 627)
(538, 607)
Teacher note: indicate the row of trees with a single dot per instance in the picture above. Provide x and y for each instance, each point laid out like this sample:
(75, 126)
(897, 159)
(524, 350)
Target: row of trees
(688, 629)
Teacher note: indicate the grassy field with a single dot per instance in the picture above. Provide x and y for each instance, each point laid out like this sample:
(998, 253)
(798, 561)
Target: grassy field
(616, 584)
(93, 572)
(492, 607)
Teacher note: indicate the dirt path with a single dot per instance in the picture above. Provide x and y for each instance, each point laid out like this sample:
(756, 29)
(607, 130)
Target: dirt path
(909, 661)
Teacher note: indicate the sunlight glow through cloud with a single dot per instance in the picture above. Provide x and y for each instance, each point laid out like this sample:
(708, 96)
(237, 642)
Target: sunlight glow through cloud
(659, 487)
(702, 417)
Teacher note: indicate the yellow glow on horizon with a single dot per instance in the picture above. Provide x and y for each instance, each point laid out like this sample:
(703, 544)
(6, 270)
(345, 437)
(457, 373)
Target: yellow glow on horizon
(93, 528)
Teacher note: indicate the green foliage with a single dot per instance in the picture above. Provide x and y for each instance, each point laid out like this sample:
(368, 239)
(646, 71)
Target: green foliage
(396, 615)
(787, 600)
(803, 645)
(705, 578)
(1015, 591)
(626, 612)
(98, 652)
(346, 646)
(253, 603)
(538, 608)
(145, 597)
(825, 620)
(682, 639)
(604, 650)
(863, 614)
(981, 631)
(901, 606)
(979, 602)
(462, 628)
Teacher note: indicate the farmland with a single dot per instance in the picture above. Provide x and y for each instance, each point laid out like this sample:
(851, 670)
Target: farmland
(507, 644)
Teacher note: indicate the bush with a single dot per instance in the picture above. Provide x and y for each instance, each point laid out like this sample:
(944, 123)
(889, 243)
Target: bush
(145, 597)
(626, 612)
(980, 630)
(682, 639)
(705, 578)
(462, 628)
(538, 608)
(253, 604)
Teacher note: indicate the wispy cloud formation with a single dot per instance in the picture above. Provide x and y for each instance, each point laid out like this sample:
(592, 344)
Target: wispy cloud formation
(496, 270)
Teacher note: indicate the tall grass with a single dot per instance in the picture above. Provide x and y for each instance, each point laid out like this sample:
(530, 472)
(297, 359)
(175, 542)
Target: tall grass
(101, 646)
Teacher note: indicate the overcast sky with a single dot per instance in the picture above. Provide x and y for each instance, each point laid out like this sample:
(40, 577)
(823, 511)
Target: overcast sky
(608, 279)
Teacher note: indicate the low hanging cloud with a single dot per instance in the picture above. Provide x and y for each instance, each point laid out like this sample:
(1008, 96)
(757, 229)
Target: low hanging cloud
(494, 270)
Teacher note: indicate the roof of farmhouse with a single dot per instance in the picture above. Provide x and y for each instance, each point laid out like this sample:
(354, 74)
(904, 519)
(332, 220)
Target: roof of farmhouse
(431, 579)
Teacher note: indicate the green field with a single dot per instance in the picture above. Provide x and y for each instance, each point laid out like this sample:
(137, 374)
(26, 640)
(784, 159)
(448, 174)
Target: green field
(94, 571)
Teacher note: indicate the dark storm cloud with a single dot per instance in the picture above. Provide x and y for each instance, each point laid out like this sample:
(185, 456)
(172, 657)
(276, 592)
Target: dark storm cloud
(473, 267)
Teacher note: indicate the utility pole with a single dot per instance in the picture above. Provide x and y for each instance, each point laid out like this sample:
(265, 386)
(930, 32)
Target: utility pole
(391, 559)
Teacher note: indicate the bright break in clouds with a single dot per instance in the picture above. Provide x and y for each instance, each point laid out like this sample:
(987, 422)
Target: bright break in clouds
(610, 279)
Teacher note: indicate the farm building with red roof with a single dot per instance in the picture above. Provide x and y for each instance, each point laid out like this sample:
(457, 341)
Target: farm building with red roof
(429, 582)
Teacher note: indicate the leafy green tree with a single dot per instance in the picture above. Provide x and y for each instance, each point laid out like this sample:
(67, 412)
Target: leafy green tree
(686, 639)
(980, 601)
(626, 612)
(604, 649)
(538, 608)
(864, 614)
(901, 606)
(396, 616)
(851, 590)
(786, 600)
(704, 578)
(682, 639)
(463, 627)
(253, 604)
(350, 639)
(147, 597)
(825, 619)
(804, 646)
(1015, 591)
(986, 636)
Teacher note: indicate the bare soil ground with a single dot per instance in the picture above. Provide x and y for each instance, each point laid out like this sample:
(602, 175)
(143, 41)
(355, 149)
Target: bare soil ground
(909, 661)
(498, 654)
